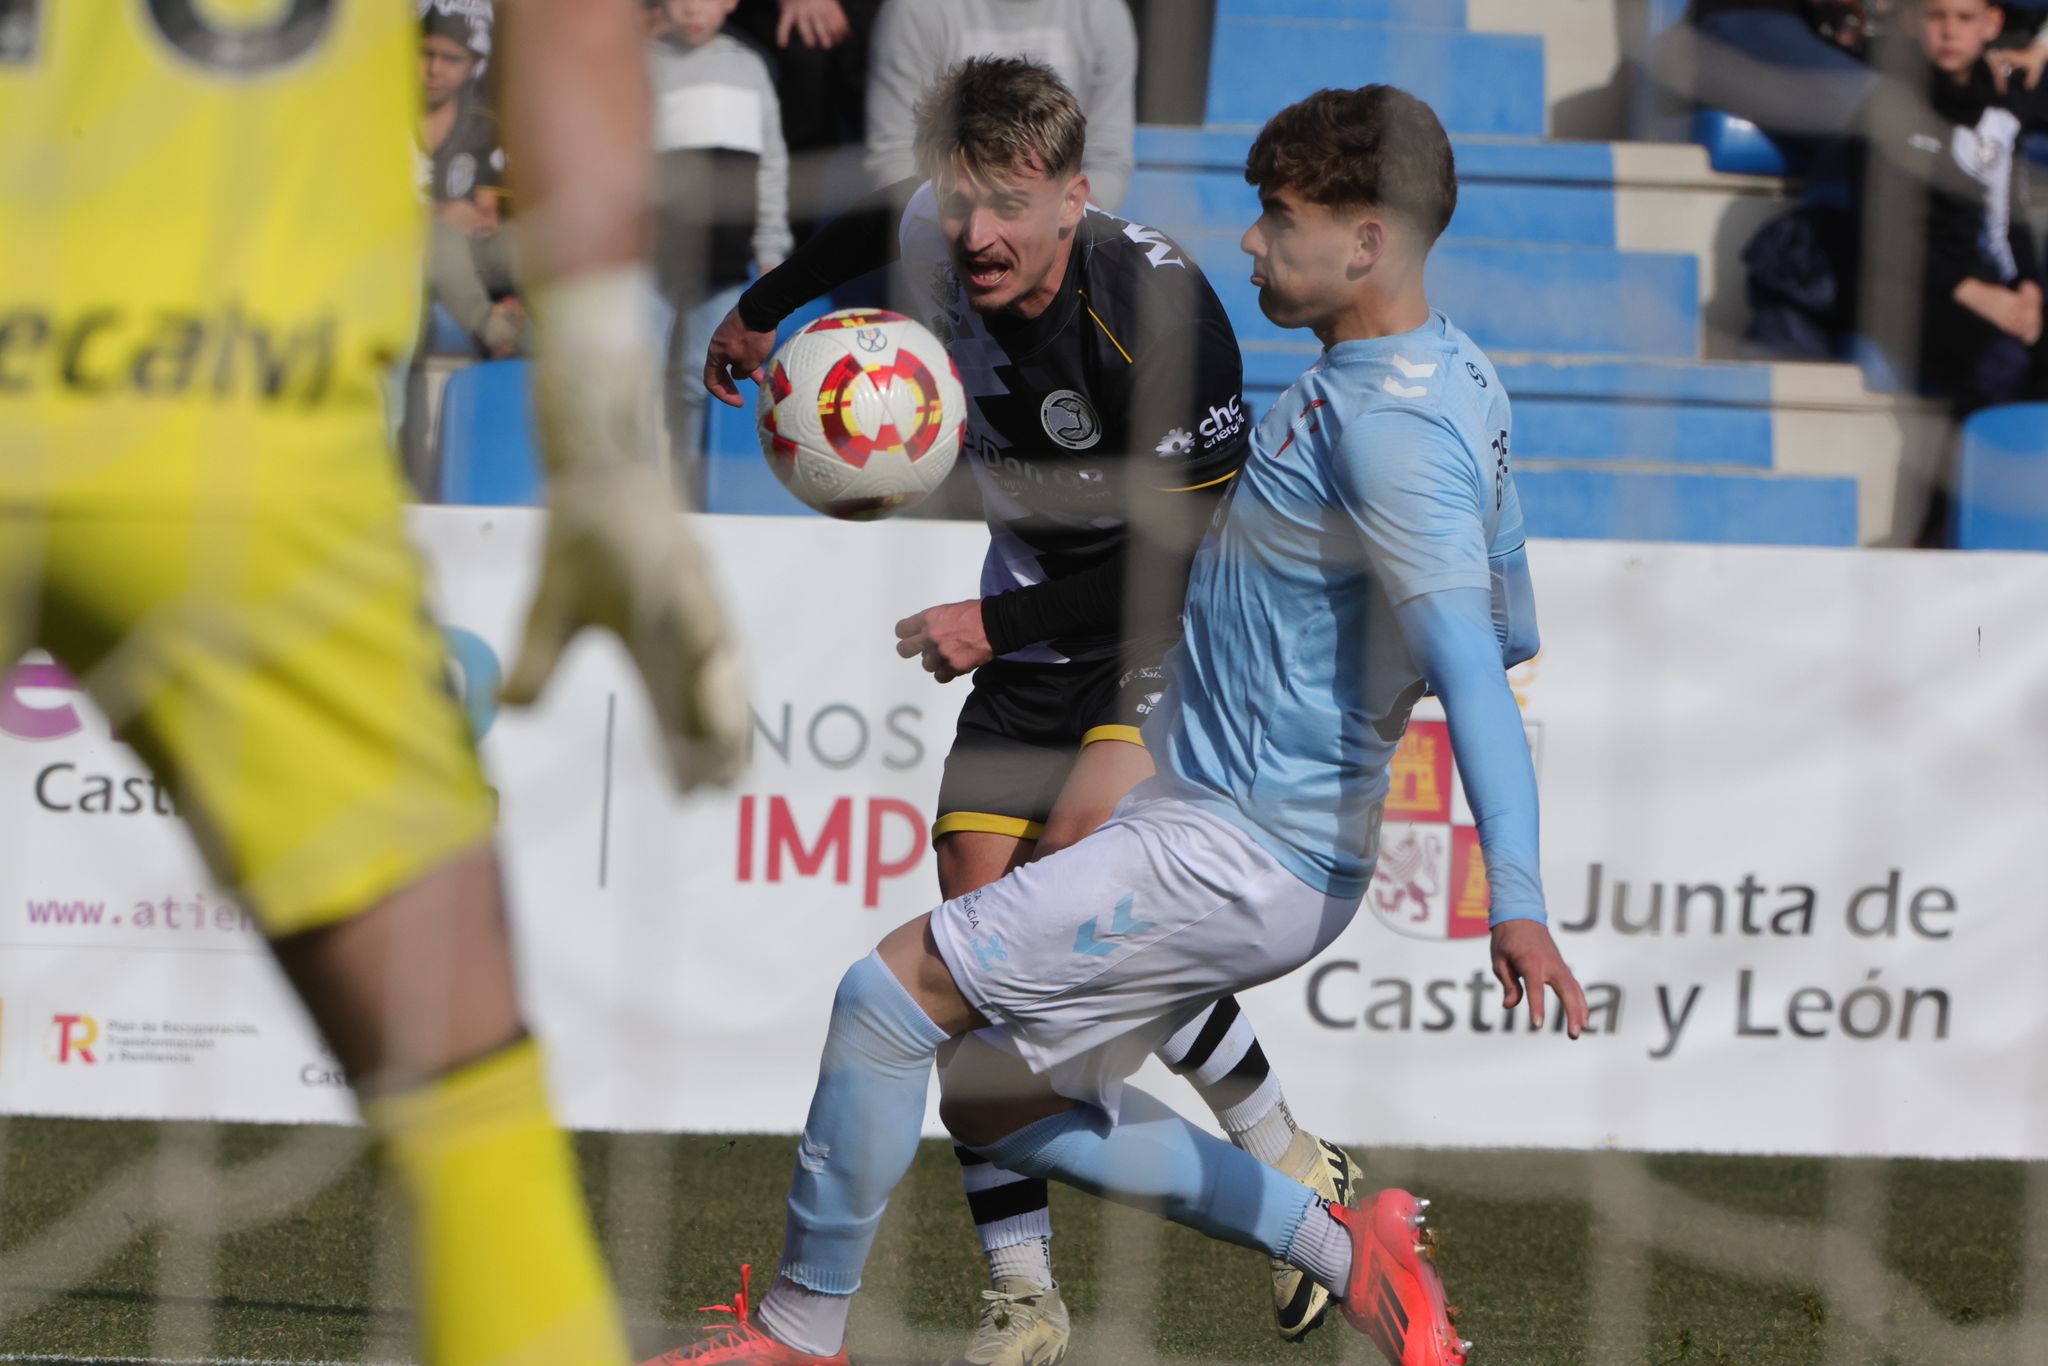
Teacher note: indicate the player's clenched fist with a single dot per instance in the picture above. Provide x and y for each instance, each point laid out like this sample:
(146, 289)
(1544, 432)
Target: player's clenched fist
(736, 352)
(950, 640)
(618, 555)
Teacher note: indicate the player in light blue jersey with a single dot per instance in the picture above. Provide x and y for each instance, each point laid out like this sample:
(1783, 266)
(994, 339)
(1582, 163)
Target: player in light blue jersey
(1373, 546)
(1371, 550)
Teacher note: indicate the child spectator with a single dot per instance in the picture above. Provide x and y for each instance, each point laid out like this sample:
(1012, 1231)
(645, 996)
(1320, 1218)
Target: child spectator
(1980, 298)
(461, 170)
(721, 191)
(1091, 44)
(818, 50)
(1982, 320)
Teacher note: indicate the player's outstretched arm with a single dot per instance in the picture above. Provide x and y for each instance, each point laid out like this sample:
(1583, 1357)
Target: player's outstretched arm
(862, 239)
(617, 554)
(1451, 634)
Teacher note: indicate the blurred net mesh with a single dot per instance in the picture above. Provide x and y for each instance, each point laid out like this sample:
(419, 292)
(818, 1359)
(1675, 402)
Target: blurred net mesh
(146, 1241)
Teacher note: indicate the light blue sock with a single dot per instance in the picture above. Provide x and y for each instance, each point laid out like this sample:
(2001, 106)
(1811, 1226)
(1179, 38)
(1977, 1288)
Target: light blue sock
(862, 1131)
(1152, 1159)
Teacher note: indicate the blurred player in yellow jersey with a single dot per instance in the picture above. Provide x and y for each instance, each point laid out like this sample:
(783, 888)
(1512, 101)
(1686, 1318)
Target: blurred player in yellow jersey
(209, 257)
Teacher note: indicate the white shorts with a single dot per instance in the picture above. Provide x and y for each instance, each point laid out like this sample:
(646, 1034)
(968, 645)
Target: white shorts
(1088, 960)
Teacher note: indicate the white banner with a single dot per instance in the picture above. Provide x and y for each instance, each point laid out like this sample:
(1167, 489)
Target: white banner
(1787, 799)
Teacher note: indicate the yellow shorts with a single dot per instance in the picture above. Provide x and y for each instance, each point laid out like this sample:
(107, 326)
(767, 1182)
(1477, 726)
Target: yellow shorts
(267, 652)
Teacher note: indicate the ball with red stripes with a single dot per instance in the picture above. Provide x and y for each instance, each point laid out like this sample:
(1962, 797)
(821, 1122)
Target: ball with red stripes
(863, 413)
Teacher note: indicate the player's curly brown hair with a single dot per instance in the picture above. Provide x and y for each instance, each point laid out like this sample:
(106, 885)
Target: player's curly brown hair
(1000, 115)
(1377, 145)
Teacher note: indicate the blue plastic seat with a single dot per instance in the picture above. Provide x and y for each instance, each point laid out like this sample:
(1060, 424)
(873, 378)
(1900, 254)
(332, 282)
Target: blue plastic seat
(1740, 147)
(1752, 508)
(2001, 496)
(736, 478)
(488, 454)
(445, 336)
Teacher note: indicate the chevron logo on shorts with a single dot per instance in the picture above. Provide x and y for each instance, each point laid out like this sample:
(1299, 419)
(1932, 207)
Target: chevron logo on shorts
(1121, 923)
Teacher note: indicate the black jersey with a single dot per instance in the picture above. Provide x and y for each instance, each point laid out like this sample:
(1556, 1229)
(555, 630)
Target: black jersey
(1102, 432)
(1983, 236)
(1086, 420)
(469, 158)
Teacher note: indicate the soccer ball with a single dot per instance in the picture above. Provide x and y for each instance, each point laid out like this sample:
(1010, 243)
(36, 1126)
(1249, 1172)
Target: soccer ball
(862, 413)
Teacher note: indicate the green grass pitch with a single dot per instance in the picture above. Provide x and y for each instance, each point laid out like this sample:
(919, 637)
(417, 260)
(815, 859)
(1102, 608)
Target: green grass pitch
(248, 1242)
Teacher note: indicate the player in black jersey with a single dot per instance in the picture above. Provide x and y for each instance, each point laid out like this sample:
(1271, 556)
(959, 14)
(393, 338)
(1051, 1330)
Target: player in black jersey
(1106, 424)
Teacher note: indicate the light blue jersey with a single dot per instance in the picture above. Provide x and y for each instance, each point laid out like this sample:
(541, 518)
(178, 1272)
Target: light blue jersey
(1381, 476)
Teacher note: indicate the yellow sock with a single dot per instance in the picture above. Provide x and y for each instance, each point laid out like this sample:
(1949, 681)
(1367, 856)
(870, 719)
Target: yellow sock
(506, 1267)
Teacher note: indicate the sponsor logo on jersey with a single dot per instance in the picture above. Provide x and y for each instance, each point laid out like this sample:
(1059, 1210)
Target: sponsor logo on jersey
(18, 26)
(1149, 700)
(1222, 423)
(1473, 370)
(1158, 250)
(223, 353)
(461, 175)
(1070, 420)
(1179, 441)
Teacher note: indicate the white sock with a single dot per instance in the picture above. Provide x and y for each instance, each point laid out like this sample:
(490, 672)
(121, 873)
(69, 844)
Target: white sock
(1263, 1126)
(1219, 1054)
(1321, 1247)
(1030, 1260)
(1012, 1217)
(808, 1320)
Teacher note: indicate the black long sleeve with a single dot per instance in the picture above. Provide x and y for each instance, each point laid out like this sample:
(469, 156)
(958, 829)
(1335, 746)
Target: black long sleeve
(1138, 591)
(858, 241)
(1088, 603)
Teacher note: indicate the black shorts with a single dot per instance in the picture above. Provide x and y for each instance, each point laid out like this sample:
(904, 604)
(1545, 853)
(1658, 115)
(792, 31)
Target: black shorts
(1021, 730)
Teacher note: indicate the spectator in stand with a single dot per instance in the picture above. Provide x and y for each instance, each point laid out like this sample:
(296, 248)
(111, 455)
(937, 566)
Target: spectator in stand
(1768, 62)
(1981, 297)
(1091, 44)
(1983, 279)
(462, 174)
(818, 50)
(721, 199)
(1803, 70)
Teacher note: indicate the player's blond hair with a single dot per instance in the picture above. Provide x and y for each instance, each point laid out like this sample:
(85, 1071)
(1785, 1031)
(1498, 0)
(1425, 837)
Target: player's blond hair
(993, 116)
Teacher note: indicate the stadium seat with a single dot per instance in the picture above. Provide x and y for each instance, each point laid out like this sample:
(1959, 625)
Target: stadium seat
(1752, 508)
(1517, 297)
(445, 336)
(736, 478)
(1478, 82)
(1740, 147)
(488, 456)
(2001, 496)
(1432, 13)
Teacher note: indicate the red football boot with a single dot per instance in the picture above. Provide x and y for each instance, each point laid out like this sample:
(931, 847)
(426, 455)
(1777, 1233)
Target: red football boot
(740, 1341)
(1395, 1297)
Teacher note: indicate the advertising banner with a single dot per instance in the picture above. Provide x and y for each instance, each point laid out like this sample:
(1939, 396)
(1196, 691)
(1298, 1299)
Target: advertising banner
(1787, 796)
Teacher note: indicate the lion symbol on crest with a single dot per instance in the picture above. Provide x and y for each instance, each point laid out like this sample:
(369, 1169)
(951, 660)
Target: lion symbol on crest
(1408, 872)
